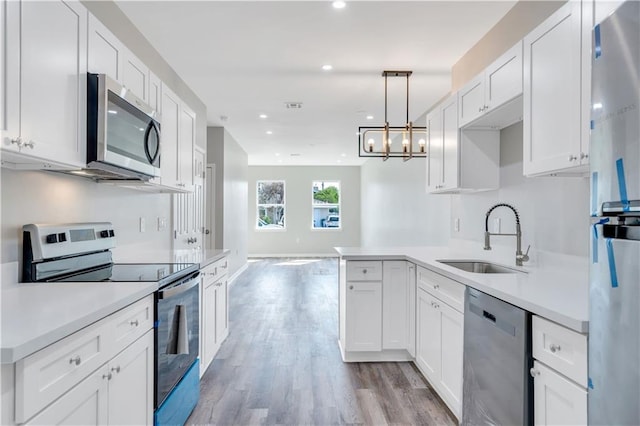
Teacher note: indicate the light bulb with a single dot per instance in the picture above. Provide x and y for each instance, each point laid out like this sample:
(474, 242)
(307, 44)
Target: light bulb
(422, 144)
(371, 142)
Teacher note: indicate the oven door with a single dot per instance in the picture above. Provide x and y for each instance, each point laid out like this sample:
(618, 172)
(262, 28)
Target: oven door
(177, 331)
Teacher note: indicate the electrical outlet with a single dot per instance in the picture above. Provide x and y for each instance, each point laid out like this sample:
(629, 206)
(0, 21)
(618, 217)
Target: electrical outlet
(498, 225)
(143, 225)
(456, 224)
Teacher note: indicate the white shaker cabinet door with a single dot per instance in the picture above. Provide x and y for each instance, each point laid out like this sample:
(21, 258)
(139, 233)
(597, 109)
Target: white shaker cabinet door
(364, 316)
(395, 309)
(186, 146)
(435, 151)
(557, 400)
(428, 346)
(170, 136)
(131, 389)
(46, 81)
(222, 313)
(450, 135)
(503, 78)
(106, 52)
(452, 337)
(471, 100)
(135, 76)
(85, 404)
(552, 85)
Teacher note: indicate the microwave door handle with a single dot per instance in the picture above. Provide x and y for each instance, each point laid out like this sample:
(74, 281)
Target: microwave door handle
(147, 133)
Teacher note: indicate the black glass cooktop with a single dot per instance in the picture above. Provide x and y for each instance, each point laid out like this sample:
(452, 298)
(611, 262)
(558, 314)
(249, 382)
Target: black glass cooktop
(134, 272)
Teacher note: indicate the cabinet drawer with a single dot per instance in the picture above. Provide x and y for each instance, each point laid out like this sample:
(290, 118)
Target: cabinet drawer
(445, 289)
(561, 349)
(364, 271)
(50, 372)
(215, 270)
(130, 323)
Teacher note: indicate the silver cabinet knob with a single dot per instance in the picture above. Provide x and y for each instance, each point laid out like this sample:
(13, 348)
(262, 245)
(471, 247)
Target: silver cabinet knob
(134, 323)
(75, 360)
(107, 376)
(479, 109)
(30, 144)
(116, 369)
(572, 158)
(17, 141)
(436, 287)
(554, 348)
(350, 287)
(534, 373)
(364, 271)
(583, 155)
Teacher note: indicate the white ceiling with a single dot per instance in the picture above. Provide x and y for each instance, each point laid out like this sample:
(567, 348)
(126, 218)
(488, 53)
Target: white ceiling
(246, 58)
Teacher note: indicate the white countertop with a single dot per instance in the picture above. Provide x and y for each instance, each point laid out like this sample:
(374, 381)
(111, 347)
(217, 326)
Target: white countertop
(35, 315)
(39, 314)
(555, 286)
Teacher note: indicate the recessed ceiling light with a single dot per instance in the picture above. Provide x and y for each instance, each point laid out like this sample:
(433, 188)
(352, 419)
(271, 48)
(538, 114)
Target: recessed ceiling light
(327, 67)
(277, 154)
(343, 155)
(263, 115)
(269, 132)
(369, 117)
(338, 4)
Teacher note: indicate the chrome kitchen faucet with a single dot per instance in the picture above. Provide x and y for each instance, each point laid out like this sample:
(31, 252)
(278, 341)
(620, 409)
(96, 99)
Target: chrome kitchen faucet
(520, 257)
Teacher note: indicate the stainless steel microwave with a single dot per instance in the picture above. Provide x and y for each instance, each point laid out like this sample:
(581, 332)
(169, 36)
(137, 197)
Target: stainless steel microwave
(123, 132)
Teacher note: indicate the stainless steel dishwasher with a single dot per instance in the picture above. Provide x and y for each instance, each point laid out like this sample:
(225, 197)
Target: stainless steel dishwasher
(497, 388)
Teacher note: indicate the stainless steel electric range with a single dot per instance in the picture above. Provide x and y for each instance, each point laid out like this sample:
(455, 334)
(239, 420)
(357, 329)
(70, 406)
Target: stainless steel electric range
(81, 252)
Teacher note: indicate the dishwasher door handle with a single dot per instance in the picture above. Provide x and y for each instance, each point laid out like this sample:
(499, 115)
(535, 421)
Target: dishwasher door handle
(489, 316)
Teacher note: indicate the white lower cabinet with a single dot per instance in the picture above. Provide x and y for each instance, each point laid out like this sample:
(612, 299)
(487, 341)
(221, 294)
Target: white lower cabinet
(214, 320)
(559, 374)
(557, 400)
(118, 393)
(395, 315)
(100, 375)
(440, 334)
(364, 316)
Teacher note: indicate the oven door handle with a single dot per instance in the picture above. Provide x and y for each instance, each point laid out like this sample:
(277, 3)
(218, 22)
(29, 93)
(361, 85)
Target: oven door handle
(181, 288)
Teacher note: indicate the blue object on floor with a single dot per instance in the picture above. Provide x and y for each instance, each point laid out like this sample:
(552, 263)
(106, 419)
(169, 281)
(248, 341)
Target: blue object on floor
(175, 410)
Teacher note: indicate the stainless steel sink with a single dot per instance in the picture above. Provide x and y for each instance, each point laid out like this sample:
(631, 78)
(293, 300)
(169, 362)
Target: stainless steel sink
(480, 267)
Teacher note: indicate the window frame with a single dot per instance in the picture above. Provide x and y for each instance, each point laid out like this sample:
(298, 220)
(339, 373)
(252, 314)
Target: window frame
(258, 205)
(339, 205)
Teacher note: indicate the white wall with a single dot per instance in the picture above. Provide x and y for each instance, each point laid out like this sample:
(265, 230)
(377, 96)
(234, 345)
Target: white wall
(230, 207)
(47, 197)
(299, 238)
(396, 210)
(553, 210)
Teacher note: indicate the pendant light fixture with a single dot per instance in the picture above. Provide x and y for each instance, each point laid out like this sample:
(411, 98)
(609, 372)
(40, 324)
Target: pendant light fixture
(378, 141)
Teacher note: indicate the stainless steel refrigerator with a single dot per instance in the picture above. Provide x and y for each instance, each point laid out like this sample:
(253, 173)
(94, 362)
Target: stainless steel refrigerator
(614, 300)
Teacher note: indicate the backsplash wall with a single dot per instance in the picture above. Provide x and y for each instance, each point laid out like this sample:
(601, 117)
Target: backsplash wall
(554, 211)
(46, 197)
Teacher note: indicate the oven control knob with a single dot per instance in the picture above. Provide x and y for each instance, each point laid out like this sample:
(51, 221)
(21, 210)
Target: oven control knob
(52, 238)
(104, 234)
(111, 233)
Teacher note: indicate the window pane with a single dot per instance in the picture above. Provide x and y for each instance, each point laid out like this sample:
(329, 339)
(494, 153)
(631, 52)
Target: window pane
(271, 217)
(271, 192)
(326, 205)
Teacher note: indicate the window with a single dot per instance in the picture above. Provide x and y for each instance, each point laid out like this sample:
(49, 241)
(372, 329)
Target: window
(326, 205)
(270, 204)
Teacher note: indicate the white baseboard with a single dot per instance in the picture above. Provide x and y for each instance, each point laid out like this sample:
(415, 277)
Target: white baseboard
(294, 255)
(233, 277)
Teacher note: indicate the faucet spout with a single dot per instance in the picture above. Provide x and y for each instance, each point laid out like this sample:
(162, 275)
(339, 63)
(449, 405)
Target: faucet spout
(520, 257)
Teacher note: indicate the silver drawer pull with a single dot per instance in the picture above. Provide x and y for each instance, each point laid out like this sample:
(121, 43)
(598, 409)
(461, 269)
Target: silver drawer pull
(75, 360)
(534, 373)
(134, 323)
(116, 369)
(554, 348)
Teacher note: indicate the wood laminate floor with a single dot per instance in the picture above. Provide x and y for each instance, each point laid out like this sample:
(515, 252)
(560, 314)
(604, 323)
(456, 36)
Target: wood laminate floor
(281, 363)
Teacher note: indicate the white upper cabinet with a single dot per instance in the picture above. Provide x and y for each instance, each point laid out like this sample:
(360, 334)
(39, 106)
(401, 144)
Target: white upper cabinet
(46, 66)
(155, 94)
(135, 77)
(557, 74)
(178, 142)
(460, 160)
(106, 53)
(489, 94)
